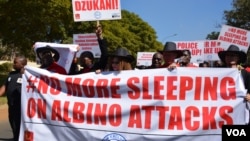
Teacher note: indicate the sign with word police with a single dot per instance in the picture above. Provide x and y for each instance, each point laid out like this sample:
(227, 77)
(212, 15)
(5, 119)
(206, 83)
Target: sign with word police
(201, 50)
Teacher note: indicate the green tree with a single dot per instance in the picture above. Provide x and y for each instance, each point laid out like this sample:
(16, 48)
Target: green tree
(25, 22)
(213, 35)
(131, 32)
(239, 17)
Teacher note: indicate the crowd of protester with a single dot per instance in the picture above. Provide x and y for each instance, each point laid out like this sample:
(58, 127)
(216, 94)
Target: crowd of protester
(170, 57)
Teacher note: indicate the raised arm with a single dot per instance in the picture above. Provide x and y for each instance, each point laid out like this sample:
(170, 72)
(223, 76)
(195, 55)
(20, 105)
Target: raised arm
(103, 47)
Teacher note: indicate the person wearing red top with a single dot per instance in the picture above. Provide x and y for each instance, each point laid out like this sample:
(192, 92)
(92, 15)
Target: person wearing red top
(247, 69)
(232, 58)
(48, 61)
(185, 59)
(54, 67)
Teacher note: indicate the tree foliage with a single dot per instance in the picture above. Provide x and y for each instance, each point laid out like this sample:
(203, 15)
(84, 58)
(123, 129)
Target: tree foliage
(213, 35)
(25, 22)
(131, 32)
(239, 17)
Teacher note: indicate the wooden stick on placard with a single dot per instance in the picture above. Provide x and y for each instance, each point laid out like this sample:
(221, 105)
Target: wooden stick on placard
(97, 23)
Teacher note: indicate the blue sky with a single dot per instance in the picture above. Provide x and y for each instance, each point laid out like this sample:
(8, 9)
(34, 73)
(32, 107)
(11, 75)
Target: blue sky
(180, 20)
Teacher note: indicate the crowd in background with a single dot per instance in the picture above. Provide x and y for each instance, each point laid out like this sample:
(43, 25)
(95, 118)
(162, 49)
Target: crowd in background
(169, 57)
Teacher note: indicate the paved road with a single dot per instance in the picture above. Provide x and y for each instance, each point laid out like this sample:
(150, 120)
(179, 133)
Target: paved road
(5, 130)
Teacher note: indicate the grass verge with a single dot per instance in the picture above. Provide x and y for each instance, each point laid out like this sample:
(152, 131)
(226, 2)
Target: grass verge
(3, 100)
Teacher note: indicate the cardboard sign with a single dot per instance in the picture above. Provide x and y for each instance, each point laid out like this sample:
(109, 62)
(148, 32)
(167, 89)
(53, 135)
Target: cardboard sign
(94, 10)
(67, 52)
(232, 35)
(87, 42)
(144, 58)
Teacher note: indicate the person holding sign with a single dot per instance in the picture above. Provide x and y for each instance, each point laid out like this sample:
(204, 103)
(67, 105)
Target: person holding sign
(120, 60)
(86, 58)
(204, 64)
(185, 59)
(218, 64)
(170, 53)
(157, 61)
(48, 60)
(232, 58)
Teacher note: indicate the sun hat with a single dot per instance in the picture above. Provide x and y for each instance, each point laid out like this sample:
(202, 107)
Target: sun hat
(235, 50)
(123, 53)
(47, 49)
(88, 54)
(171, 47)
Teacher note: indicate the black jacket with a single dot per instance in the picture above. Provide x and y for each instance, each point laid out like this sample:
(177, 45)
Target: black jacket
(100, 64)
